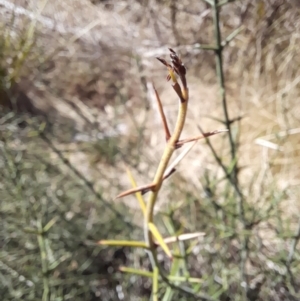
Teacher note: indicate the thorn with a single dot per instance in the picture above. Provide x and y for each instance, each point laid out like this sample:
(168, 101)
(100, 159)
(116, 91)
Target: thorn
(178, 159)
(144, 189)
(171, 50)
(168, 174)
(236, 119)
(141, 189)
(163, 61)
(181, 142)
(162, 114)
(183, 237)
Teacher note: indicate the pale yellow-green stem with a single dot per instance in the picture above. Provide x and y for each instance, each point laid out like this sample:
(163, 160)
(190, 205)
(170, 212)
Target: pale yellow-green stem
(158, 179)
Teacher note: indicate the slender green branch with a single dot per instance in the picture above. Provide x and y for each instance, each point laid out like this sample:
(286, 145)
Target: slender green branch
(232, 175)
(136, 272)
(44, 261)
(205, 47)
(123, 243)
(231, 36)
(168, 152)
(220, 74)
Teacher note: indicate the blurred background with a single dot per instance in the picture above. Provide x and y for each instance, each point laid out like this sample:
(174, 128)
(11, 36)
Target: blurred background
(77, 107)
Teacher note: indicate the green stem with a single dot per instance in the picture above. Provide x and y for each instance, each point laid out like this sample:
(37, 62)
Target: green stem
(220, 74)
(158, 179)
(234, 172)
(44, 261)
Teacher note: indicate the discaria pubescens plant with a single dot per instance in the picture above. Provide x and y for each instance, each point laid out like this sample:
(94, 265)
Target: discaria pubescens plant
(153, 238)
